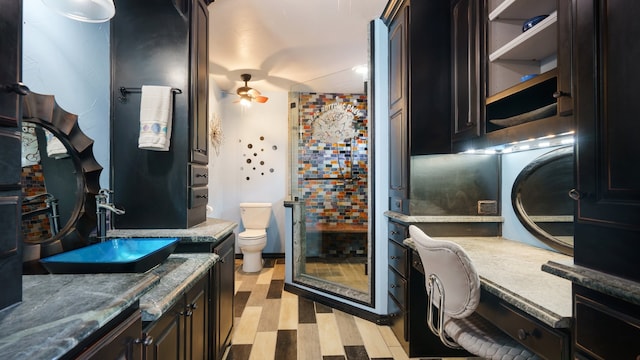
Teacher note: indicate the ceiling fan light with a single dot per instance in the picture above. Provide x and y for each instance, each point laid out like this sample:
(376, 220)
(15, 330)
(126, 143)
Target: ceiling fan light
(91, 11)
(245, 100)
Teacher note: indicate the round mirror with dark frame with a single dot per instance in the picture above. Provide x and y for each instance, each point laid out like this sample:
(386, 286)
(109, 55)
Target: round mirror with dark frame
(59, 196)
(539, 198)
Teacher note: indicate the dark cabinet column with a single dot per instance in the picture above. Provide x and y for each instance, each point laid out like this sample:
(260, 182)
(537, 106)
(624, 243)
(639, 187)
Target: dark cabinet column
(607, 229)
(10, 149)
(160, 42)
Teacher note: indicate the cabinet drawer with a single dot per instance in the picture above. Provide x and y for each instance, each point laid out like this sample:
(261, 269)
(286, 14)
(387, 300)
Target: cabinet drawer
(398, 288)
(539, 338)
(398, 256)
(198, 197)
(198, 175)
(605, 333)
(398, 232)
(398, 319)
(9, 221)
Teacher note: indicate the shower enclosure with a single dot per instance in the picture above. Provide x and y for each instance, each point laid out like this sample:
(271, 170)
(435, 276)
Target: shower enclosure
(330, 156)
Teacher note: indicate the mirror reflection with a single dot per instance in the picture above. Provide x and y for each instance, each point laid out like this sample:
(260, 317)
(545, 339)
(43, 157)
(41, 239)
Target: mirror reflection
(48, 178)
(60, 178)
(539, 197)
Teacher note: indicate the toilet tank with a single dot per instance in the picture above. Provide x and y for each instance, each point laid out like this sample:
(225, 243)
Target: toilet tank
(255, 215)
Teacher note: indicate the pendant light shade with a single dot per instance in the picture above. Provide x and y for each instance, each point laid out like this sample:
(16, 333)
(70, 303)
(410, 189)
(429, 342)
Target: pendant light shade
(93, 11)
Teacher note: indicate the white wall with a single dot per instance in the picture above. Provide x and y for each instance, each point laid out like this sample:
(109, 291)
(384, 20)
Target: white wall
(228, 170)
(70, 59)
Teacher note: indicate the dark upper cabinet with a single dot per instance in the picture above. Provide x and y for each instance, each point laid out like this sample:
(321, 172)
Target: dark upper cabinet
(200, 84)
(419, 77)
(522, 82)
(607, 226)
(467, 40)
(160, 42)
(398, 124)
(419, 88)
(10, 149)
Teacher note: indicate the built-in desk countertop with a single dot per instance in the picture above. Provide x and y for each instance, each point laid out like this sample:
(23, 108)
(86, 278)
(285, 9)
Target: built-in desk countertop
(512, 271)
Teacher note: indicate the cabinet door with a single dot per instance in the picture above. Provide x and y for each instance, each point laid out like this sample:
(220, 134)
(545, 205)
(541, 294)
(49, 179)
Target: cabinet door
(196, 321)
(200, 85)
(223, 295)
(122, 343)
(167, 334)
(466, 46)
(608, 141)
(398, 121)
(11, 58)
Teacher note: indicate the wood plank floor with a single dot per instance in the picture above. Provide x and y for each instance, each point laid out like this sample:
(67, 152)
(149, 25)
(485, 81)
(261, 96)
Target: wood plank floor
(271, 323)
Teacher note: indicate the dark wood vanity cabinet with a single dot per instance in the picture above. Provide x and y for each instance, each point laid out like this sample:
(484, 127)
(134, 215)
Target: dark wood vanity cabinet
(10, 152)
(182, 332)
(398, 286)
(221, 285)
(160, 42)
(607, 218)
(606, 327)
(222, 289)
(124, 341)
(607, 226)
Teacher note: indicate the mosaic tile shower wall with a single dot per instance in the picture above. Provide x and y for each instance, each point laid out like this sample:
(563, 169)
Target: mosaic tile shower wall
(333, 158)
(37, 227)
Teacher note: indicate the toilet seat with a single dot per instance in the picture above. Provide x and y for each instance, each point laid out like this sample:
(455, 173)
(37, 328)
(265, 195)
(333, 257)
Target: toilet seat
(252, 234)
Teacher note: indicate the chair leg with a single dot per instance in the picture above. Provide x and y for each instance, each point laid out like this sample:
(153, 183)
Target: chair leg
(438, 329)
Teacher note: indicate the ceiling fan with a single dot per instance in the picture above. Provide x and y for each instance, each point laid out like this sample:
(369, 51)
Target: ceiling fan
(247, 94)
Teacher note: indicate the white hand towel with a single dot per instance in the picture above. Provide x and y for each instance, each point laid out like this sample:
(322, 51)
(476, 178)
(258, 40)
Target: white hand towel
(55, 149)
(156, 112)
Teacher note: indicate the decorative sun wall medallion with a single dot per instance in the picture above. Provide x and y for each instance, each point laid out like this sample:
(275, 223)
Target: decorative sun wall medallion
(215, 133)
(335, 123)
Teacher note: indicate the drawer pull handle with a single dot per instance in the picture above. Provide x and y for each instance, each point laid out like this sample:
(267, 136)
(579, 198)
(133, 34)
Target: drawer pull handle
(522, 334)
(393, 286)
(393, 232)
(201, 175)
(576, 194)
(148, 340)
(393, 257)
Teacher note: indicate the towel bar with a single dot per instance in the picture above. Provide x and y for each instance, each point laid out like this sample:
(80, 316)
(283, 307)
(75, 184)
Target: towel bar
(125, 90)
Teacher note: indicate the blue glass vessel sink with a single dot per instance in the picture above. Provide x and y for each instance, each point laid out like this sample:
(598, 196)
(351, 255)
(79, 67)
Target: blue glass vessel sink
(135, 255)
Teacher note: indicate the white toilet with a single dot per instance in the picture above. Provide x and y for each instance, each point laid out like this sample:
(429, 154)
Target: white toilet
(255, 218)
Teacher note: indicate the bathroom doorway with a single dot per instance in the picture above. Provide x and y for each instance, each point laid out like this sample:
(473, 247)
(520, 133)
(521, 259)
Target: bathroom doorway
(330, 178)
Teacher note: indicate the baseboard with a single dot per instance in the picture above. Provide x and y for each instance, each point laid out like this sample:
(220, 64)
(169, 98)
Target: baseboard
(352, 310)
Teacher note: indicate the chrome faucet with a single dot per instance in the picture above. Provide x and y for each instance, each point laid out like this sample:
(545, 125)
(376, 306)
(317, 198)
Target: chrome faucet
(102, 205)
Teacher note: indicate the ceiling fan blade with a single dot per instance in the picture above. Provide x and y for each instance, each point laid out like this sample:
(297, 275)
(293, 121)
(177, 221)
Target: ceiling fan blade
(253, 92)
(261, 99)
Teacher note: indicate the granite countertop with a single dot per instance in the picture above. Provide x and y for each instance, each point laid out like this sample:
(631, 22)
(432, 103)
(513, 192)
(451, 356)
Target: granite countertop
(59, 311)
(177, 275)
(512, 271)
(212, 230)
(615, 286)
(413, 219)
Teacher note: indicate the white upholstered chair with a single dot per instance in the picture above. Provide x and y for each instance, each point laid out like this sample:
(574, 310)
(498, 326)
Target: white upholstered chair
(453, 287)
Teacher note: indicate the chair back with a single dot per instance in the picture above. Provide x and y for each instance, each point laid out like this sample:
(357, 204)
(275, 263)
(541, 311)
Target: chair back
(452, 266)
